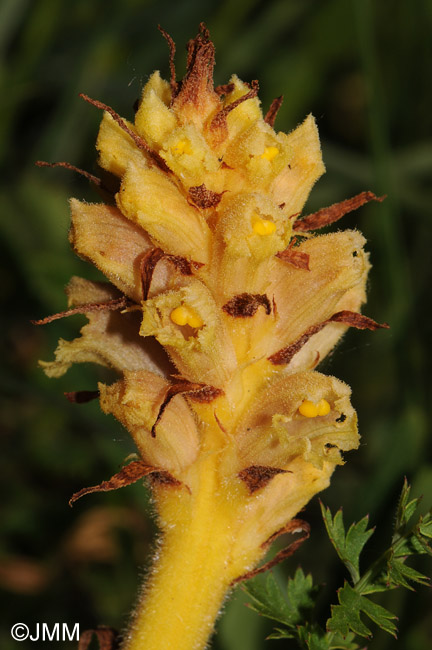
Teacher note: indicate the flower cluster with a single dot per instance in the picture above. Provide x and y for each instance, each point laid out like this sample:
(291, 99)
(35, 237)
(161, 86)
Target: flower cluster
(221, 302)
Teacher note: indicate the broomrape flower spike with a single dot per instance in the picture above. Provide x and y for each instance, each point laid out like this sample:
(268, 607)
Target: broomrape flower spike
(215, 314)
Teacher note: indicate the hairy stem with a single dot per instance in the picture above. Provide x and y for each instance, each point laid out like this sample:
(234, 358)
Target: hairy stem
(191, 573)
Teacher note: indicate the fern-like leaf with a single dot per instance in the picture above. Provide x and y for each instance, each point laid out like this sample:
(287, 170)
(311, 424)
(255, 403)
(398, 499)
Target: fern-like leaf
(348, 545)
(346, 616)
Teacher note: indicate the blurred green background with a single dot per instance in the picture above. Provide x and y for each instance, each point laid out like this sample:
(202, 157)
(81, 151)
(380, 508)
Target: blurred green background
(363, 69)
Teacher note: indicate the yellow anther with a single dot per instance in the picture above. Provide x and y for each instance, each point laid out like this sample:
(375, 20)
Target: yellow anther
(181, 146)
(270, 153)
(194, 320)
(323, 407)
(308, 409)
(185, 315)
(311, 410)
(180, 315)
(263, 226)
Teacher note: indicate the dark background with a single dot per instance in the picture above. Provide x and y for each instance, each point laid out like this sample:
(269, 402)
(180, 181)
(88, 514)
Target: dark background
(363, 69)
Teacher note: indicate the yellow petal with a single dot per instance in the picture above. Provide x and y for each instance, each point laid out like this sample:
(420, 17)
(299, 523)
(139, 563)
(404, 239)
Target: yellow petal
(109, 339)
(149, 198)
(281, 429)
(116, 148)
(159, 86)
(114, 244)
(245, 114)
(237, 226)
(204, 352)
(293, 185)
(154, 120)
(336, 281)
(273, 434)
(189, 156)
(135, 401)
(261, 153)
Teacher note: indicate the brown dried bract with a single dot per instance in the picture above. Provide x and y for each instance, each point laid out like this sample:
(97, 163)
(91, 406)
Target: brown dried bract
(219, 120)
(184, 266)
(126, 476)
(139, 141)
(360, 322)
(165, 478)
(258, 476)
(203, 393)
(107, 637)
(294, 257)
(147, 266)
(204, 198)
(93, 179)
(326, 216)
(293, 526)
(197, 85)
(109, 305)
(150, 260)
(245, 305)
(81, 396)
(172, 48)
(197, 392)
(350, 318)
(224, 89)
(273, 110)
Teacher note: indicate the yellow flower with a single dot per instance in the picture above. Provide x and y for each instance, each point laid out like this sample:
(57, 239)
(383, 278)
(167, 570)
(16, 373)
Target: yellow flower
(222, 301)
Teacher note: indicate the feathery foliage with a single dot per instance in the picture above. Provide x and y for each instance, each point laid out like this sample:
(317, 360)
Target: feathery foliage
(294, 608)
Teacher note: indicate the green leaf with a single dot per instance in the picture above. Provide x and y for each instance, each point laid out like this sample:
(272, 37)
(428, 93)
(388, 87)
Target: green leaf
(348, 546)
(268, 600)
(346, 615)
(389, 571)
(405, 509)
(412, 544)
(335, 527)
(280, 633)
(301, 594)
(425, 526)
(313, 637)
(290, 609)
(338, 642)
(356, 539)
(399, 574)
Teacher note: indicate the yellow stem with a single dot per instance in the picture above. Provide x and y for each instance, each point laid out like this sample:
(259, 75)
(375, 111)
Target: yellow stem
(192, 571)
